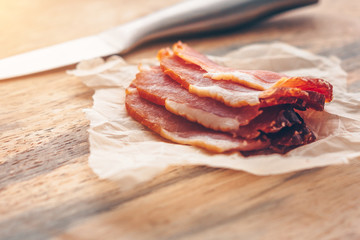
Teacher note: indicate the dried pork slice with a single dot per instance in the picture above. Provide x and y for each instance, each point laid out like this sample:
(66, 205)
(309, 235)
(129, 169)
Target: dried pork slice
(158, 88)
(309, 84)
(179, 130)
(258, 79)
(298, 98)
(191, 77)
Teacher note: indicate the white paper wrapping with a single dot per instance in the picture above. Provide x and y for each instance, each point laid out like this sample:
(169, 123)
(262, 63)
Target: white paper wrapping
(122, 149)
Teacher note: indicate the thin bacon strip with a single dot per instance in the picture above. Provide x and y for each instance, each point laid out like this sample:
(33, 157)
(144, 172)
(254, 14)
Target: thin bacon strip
(294, 96)
(191, 77)
(254, 79)
(307, 84)
(258, 79)
(158, 88)
(179, 130)
(189, 55)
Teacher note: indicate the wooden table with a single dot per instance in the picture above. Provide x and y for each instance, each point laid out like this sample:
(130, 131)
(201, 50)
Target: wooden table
(47, 190)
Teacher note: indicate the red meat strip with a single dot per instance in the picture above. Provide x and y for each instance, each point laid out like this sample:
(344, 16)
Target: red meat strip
(257, 79)
(179, 130)
(298, 98)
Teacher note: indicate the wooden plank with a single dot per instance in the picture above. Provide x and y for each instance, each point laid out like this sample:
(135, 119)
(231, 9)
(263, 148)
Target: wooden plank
(47, 190)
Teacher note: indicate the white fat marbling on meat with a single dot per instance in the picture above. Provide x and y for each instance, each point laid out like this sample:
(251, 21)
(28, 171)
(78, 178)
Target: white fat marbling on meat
(230, 98)
(206, 119)
(238, 77)
(207, 142)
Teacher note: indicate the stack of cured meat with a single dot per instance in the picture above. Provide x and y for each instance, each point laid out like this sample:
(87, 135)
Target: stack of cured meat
(190, 99)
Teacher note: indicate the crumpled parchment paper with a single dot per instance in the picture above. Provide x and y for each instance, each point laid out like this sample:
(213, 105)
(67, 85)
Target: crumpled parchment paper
(124, 150)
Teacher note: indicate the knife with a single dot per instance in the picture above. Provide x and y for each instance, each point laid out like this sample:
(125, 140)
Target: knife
(187, 17)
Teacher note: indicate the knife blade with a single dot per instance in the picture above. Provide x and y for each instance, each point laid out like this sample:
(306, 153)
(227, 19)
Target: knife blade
(185, 18)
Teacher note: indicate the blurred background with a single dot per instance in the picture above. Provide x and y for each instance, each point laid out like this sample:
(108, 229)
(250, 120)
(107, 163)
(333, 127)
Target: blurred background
(330, 27)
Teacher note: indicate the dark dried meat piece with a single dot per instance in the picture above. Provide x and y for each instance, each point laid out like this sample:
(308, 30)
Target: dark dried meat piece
(271, 120)
(292, 137)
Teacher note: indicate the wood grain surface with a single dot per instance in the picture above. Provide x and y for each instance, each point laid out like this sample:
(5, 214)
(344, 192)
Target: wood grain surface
(47, 190)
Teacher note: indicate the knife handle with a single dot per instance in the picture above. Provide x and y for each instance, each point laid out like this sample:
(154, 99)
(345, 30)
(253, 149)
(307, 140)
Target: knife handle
(195, 17)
